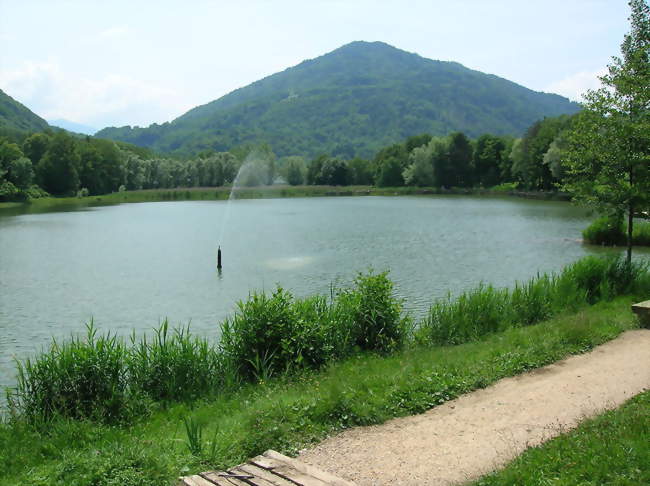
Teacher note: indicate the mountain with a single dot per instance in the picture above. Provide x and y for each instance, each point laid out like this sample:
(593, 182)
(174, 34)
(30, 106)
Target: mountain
(17, 117)
(72, 126)
(352, 101)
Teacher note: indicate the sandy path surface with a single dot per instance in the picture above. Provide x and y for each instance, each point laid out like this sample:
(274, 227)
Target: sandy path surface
(478, 432)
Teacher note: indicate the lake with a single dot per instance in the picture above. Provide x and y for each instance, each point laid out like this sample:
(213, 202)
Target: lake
(130, 266)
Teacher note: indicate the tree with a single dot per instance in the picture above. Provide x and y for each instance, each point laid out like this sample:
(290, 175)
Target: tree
(57, 169)
(460, 157)
(608, 158)
(334, 172)
(21, 173)
(361, 173)
(294, 170)
(487, 160)
(420, 172)
(35, 146)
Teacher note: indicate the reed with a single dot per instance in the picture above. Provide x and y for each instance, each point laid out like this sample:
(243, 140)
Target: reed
(486, 310)
(277, 336)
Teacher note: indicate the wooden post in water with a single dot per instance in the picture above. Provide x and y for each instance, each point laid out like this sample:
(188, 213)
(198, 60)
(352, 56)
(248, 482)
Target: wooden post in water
(219, 258)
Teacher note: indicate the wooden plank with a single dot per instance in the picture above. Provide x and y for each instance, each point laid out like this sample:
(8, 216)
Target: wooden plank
(221, 479)
(268, 476)
(308, 469)
(642, 310)
(288, 472)
(196, 480)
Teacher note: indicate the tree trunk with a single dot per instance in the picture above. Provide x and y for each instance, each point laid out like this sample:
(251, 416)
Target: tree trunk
(630, 222)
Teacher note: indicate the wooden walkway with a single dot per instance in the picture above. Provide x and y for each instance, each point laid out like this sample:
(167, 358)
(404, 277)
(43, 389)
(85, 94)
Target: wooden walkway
(269, 469)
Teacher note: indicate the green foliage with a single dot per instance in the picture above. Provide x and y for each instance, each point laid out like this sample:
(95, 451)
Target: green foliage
(641, 234)
(420, 172)
(606, 230)
(531, 163)
(289, 414)
(174, 365)
(79, 378)
(486, 310)
(57, 171)
(351, 102)
(487, 160)
(608, 159)
(16, 116)
(377, 315)
(295, 170)
(612, 230)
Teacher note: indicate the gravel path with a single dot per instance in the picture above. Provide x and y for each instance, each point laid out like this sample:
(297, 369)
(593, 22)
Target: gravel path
(478, 432)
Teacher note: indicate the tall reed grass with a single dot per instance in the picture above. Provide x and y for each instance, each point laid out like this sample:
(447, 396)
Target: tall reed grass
(485, 309)
(104, 378)
(107, 379)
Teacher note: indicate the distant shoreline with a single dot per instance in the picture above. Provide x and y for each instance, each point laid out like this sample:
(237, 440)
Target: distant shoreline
(262, 192)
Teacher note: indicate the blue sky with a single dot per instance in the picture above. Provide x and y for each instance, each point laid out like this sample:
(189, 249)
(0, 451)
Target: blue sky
(136, 62)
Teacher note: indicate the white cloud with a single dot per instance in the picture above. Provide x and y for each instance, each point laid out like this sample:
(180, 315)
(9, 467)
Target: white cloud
(113, 32)
(576, 85)
(113, 99)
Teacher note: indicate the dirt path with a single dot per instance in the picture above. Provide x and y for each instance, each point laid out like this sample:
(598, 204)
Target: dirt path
(478, 432)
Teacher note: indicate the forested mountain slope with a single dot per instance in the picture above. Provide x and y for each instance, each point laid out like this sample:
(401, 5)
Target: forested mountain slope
(17, 117)
(352, 101)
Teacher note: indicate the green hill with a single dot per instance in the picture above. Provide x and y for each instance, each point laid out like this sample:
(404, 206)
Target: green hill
(352, 101)
(17, 117)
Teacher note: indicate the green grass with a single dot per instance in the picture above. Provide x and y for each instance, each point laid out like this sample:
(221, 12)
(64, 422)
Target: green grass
(486, 310)
(611, 449)
(290, 412)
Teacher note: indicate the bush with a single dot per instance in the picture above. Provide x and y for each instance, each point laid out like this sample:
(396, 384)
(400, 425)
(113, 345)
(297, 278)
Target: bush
(606, 230)
(273, 334)
(376, 314)
(641, 233)
(613, 231)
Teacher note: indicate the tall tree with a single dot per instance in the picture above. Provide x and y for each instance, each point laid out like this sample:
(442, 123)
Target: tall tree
(460, 158)
(57, 169)
(608, 159)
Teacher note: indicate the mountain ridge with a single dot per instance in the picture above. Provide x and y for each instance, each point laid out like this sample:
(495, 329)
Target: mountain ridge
(15, 116)
(352, 101)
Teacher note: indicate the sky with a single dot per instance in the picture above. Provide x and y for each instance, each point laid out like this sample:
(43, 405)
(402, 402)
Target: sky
(136, 62)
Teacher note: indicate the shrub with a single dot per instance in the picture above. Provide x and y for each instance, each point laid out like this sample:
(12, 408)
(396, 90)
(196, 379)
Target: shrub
(271, 334)
(377, 322)
(641, 233)
(613, 231)
(606, 230)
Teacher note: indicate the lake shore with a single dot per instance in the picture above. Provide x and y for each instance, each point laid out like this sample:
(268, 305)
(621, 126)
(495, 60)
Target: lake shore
(261, 192)
(290, 414)
(84, 436)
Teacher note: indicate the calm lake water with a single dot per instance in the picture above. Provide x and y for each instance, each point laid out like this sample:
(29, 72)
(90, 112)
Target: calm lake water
(130, 266)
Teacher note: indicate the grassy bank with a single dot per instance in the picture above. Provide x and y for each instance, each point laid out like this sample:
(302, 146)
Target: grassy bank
(288, 413)
(613, 232)
(261, 192)
(609, 449)
(287, 373)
